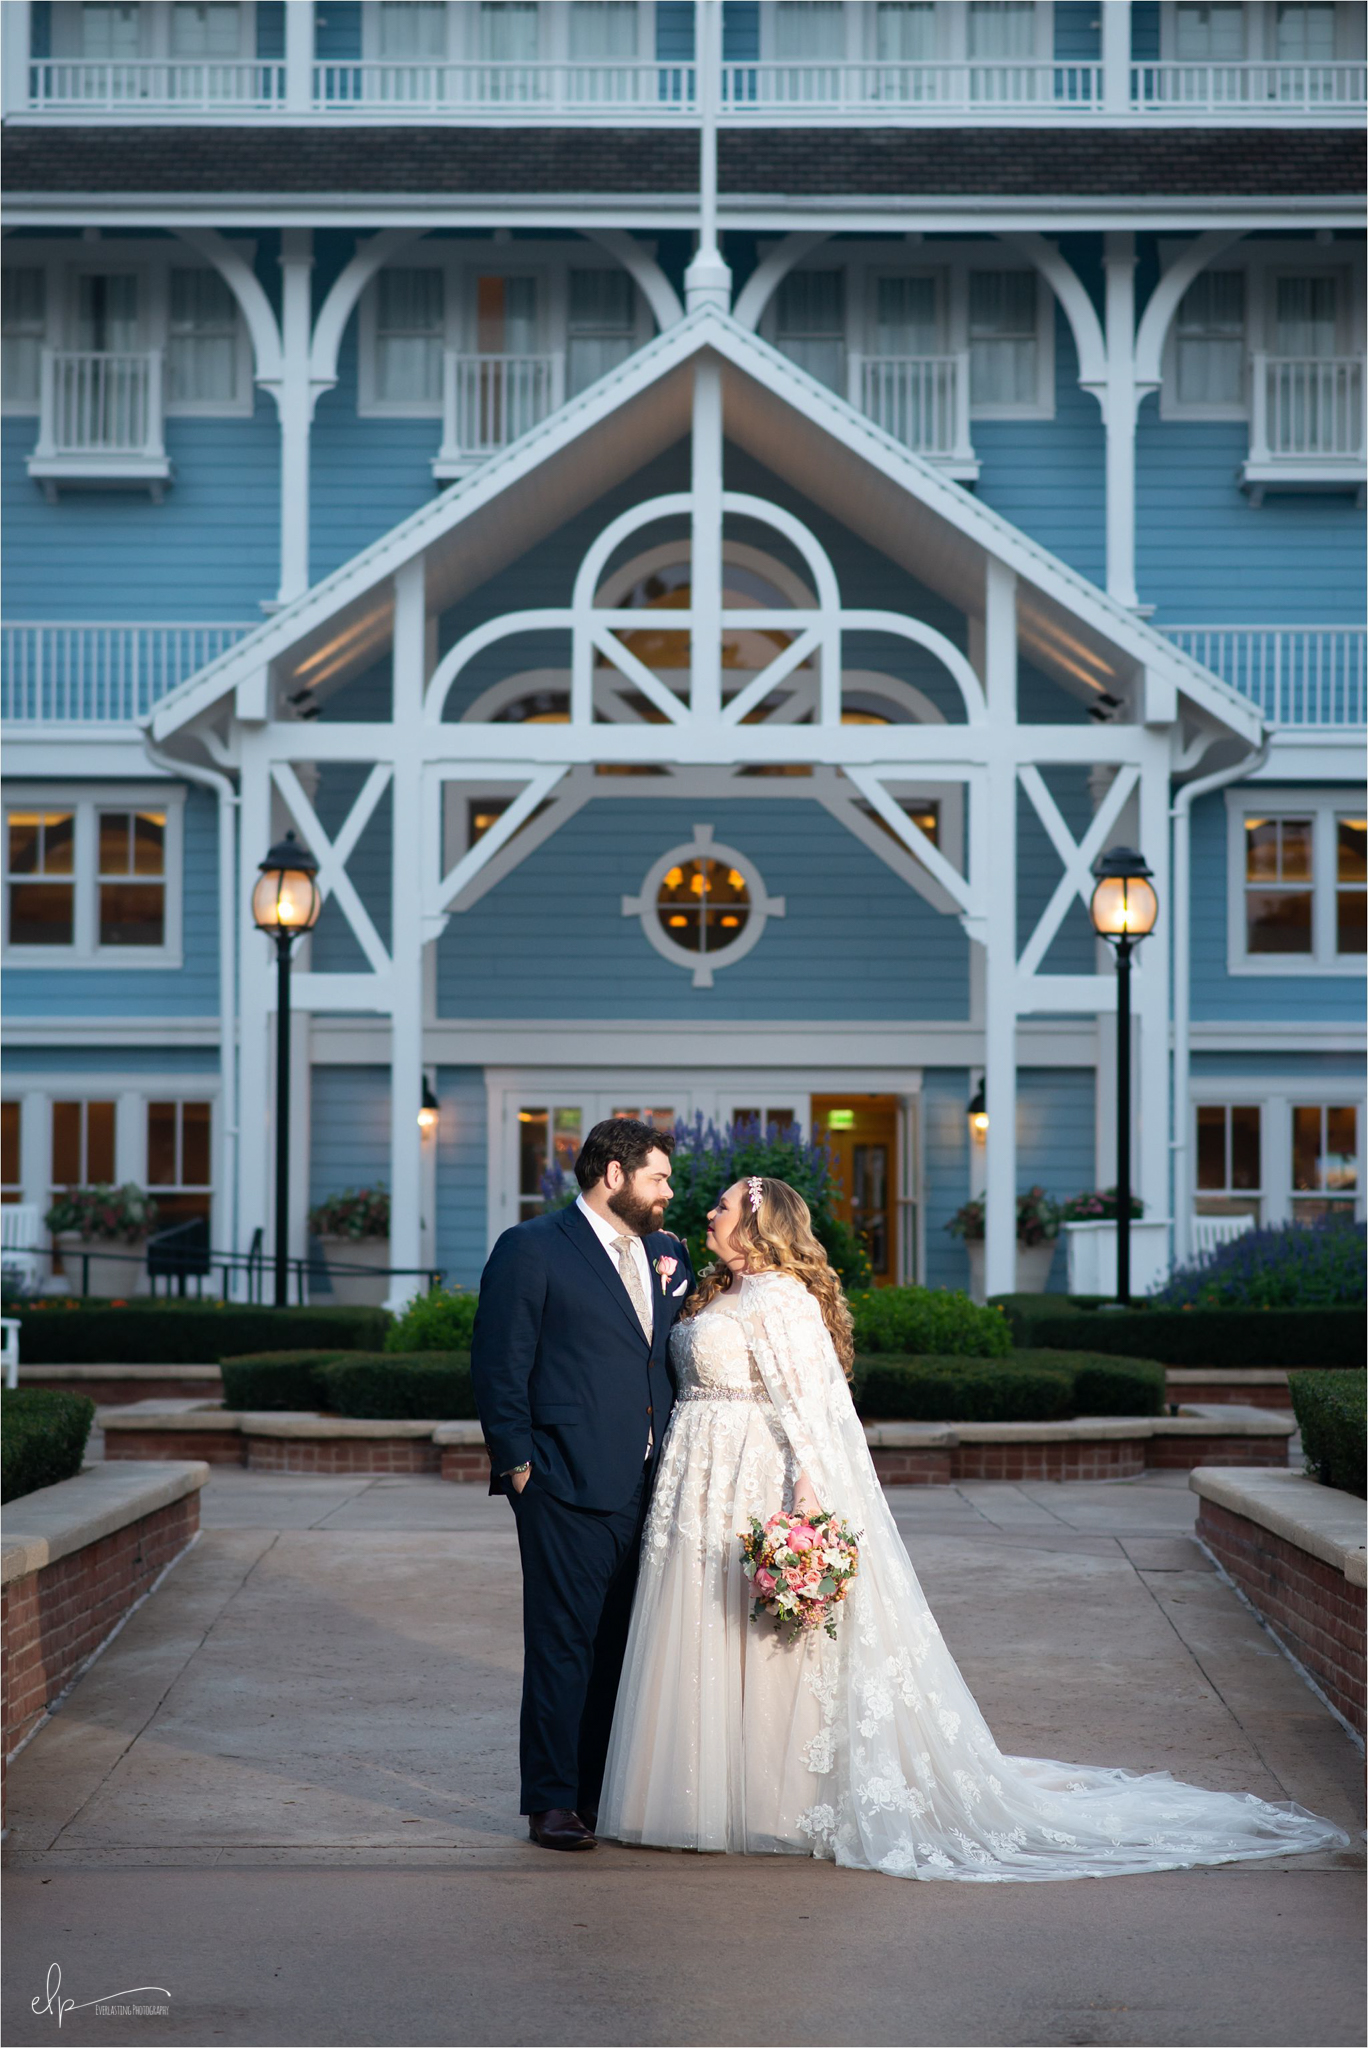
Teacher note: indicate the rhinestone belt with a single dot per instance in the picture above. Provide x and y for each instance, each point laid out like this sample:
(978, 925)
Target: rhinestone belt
(758, 1400)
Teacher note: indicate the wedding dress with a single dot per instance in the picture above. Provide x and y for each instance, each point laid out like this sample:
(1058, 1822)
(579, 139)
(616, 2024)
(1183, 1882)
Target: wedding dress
(869, 1750)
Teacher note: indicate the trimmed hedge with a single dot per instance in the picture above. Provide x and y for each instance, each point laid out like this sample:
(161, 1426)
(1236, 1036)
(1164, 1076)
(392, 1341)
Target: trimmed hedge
(185, 1333)
(275, 1379)
(42, 1438)
(1026, 1386)
(1250, 1337)
(927, 1321)
(443, 1319)
(1332, 1410)
(425, 1385)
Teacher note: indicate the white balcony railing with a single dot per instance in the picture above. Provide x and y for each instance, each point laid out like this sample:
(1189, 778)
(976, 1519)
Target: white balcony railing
(488, 401)
(1306, 407)
(148, 87)
(604, 89)
(1297, 675)
(922, 401)
(101, 674)
(100, 418)
(1248, 88)
(832, 88)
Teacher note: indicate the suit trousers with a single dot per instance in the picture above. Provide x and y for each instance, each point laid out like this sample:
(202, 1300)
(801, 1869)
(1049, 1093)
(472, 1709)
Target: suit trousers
(579, 1570)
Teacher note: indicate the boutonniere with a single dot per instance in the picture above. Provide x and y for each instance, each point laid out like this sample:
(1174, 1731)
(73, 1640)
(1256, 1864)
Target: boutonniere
(666, 1267)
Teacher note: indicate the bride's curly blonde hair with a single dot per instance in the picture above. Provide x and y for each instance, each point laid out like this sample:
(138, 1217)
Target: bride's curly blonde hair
(777, 1236)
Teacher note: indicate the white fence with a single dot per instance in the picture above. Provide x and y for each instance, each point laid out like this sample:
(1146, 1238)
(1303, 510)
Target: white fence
(1297, 675)
(99, 674)
(812, 87)
(489, 400)
(145, 87)
(659, 90)
(1306, 407)
(923, 401)
(1248, 88)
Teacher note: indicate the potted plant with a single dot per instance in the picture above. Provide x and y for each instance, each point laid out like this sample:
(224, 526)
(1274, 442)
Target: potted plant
(92, 1226)
(1037, 1228)
(1089, 1225)
(353, 1234)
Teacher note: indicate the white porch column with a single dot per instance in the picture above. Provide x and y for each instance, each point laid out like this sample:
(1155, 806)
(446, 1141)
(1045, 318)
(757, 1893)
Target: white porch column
(998, 884)
(705, 573)
(708, 280)
(255, 993)
(1150, 990)
(15, 55)
(1119, 411)
(299, 55)
(408, 795)
(1116, 56)
(295, 402)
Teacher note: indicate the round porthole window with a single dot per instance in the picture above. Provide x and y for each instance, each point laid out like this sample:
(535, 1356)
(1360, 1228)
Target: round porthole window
(703, 906)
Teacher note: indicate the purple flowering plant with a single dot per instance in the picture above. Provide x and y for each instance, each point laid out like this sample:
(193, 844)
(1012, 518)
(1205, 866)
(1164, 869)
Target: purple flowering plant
(1284, 1265)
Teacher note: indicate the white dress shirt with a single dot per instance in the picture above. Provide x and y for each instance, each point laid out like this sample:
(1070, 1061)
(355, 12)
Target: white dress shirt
(606, 1232)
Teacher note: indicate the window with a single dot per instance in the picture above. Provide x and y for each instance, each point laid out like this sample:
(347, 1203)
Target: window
(904, 31)
(132, 850)
(92, 878)
(11, 1152)
(1229, 1155)
(1324, 1160)
(201, 340)
(810, 323)
(602, 325)
(780, 1121)
(508, 31)
(1003, 338)
(179, 1160)
(659, 1119)
(82, 1144)
(906, 316)
(811, 31)
(1209, 340)
(206, 31)
(414, 29)
(1306, 316)
(505, 315)
(1305, 34)
(1299, 883)
(549, 1141)
(106, 312)
(110, 32)
(410, 325)
(25, 329)
(1002, 29)
(603, 29)
(41, 857)
(1208, 34)
(703, 906)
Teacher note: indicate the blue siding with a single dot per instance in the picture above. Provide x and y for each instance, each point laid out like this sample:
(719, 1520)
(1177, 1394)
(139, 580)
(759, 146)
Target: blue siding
(143, 991)
(1056, 1147)
(1217, 994)
(337, 31)
(349, 1130)
(1144, 30)
(856, 942)
(945, 1172)
(170, 1062)
(462, 1164)
(1078, 30)
(367, 474)
(1316, 1069)
(674, 29)
(270, 29)
(740, 31)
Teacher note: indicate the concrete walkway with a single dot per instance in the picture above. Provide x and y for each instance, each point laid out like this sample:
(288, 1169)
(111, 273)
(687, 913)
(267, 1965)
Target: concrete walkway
(286, 1793)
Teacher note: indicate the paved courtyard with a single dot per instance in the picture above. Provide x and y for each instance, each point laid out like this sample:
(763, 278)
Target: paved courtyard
(287, 1794)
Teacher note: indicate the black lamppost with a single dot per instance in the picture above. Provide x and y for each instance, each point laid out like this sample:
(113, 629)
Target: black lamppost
(1124, 909)
(285, 902)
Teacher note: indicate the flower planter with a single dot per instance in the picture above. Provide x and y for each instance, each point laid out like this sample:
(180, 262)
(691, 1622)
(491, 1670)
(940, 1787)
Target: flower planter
(357, 1270)
(1033, 1263)
(1092, 1256)
(116, 1270)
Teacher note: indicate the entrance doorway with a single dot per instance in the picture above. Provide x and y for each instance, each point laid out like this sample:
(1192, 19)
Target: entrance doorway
(862, 1134)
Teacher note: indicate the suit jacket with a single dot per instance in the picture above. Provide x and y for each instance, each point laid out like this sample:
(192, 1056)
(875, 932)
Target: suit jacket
(563, 1373)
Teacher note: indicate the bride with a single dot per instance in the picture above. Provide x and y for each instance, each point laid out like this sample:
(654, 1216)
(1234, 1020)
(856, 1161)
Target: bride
(868, 1750)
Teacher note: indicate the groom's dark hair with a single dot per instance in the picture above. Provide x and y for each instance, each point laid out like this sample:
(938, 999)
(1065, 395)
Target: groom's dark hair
(624, 1138)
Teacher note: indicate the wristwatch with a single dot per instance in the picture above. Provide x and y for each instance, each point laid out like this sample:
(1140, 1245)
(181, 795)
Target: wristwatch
(513, 1470)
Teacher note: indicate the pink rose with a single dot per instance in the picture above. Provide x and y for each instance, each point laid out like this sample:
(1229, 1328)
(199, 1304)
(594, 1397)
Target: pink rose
(764, 1580)
(802, 1536)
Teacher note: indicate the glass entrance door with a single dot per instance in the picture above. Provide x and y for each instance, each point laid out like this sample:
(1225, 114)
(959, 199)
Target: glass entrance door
(862, 1134)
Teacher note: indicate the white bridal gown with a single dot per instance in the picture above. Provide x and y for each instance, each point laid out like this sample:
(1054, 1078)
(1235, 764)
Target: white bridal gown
(868, 1750)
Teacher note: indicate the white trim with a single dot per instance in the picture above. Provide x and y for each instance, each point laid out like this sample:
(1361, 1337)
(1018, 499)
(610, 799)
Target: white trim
(1275, 1096)
(85, 800)
(1322, 806)
(763, 906)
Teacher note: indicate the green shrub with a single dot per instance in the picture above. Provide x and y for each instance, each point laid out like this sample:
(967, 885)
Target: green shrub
(428, 1385)
(1024, 1311)
(1111, 1386)
(1331, 1410)
(1253, 1337)
(274, 1379)
(59, 1332)
(931, 1389)
(927, 1320)
(42, 1438)
(441, 1320)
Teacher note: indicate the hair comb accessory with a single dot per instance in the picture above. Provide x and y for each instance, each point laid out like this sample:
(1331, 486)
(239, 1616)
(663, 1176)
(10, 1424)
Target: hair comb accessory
(755, 1188)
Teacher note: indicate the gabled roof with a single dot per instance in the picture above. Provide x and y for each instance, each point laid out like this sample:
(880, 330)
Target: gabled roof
(871, 483)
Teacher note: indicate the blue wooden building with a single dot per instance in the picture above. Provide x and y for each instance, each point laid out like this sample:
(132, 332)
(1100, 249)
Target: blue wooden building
(708, 519)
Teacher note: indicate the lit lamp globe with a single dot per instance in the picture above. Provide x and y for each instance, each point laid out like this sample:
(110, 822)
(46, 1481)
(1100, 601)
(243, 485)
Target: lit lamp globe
(1124, 905)
(286, 899)
(429, 1115)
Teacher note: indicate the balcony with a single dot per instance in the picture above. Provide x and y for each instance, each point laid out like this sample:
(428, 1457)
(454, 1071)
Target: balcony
(1299, 676)
(922, 401)
(607, 92)
(1248, 90)
(1306, 425)
(100, 421)
(489, 401)
(100, 674)
(140, 87)
(908, 92)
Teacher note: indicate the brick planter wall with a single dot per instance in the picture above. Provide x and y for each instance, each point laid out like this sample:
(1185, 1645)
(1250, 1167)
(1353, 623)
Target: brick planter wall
(345, 1454)
(1182, 1453)
(52, 1619)
(1107, 1458)
(215, 1446)
(913, 1468)
(1247, 1396)
(135, 1386)
(1309, 1605)
(467, 1463)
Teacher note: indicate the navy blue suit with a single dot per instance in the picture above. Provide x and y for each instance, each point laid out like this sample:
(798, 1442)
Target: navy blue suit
(565, 1377)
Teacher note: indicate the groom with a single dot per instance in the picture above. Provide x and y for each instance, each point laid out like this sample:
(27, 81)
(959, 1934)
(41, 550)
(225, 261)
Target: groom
(571, 1380)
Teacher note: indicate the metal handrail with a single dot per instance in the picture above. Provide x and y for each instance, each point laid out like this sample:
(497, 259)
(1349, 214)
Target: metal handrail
(251, 1264)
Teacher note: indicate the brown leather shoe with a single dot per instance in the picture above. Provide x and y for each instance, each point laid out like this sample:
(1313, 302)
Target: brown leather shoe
(559, 1828)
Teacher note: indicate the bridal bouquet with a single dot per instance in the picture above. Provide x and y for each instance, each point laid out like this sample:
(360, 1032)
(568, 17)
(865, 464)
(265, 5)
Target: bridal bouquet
(801, 1567)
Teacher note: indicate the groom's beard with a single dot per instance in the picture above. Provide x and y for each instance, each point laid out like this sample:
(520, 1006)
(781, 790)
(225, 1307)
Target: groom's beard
(637, 1212)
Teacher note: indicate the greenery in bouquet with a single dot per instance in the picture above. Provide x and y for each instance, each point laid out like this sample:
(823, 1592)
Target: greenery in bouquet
(801, 1567)
(1037, 1219)
(107, 1214)
(1099, 1205)
(355, 1213)
(1286, 1265)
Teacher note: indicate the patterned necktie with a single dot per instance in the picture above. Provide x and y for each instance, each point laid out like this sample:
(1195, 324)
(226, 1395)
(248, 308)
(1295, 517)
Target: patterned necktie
(631, 1280)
